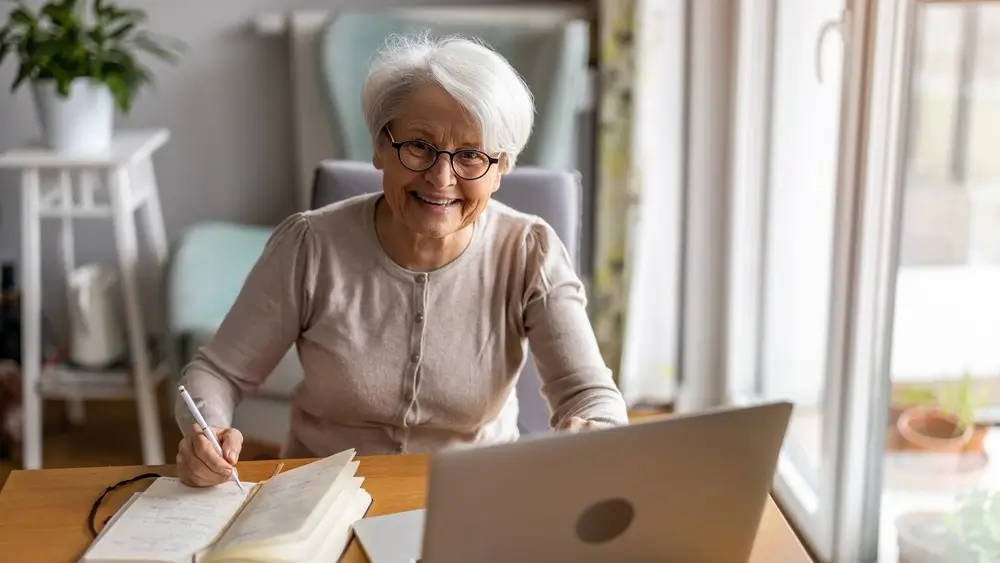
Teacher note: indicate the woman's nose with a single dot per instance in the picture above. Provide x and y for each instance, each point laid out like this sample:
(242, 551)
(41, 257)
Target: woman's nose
(441, 173)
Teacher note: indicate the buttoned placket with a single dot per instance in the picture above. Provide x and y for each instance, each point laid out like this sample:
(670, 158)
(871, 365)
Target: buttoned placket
(411, 377)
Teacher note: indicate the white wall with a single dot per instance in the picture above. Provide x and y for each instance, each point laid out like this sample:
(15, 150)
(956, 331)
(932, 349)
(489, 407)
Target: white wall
(228, 105)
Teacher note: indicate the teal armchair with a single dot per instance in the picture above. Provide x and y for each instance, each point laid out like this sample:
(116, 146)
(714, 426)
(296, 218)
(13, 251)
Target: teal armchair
(552, 59)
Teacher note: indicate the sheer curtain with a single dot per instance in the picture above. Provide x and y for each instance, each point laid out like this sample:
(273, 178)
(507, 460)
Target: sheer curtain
(639, 198)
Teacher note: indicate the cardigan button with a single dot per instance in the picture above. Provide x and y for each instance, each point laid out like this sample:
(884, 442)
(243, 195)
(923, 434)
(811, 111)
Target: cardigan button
(421, 278)
(420, 318)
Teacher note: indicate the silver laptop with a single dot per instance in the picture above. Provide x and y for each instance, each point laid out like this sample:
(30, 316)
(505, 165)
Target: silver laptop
(687, 488)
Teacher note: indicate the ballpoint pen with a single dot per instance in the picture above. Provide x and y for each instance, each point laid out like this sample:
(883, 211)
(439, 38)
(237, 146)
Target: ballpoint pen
(206, 430)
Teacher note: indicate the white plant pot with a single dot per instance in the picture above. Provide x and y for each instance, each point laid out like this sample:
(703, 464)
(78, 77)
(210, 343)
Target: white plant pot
(81, 123)
(921, 538)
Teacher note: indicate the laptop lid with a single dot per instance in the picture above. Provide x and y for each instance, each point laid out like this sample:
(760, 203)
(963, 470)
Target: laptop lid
(685, 488)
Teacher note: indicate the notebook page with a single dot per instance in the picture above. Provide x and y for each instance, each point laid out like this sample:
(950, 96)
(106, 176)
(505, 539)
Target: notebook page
(107, 526)
(284, 504)
(335, 541)
(325, 541)
(169, 522)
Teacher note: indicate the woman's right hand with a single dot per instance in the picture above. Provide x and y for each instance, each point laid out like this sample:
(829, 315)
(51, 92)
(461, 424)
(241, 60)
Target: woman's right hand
(199, 465)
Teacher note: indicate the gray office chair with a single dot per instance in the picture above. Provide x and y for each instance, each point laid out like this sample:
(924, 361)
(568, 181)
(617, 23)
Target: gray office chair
(552, 195)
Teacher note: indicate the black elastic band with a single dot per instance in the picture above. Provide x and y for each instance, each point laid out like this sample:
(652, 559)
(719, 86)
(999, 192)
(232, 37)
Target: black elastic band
(97, 503)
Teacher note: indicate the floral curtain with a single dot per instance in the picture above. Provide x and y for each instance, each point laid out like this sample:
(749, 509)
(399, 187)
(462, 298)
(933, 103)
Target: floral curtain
(639, 150)
(616, 192)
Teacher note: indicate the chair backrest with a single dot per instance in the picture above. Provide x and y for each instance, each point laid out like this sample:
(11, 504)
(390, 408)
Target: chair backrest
(552, 59)
(553, 195)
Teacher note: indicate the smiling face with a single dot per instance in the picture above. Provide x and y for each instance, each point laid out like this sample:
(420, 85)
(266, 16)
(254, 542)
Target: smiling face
(435, 203)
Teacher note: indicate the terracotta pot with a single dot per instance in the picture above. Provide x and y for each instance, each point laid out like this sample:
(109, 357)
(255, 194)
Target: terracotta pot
(897, 406)
(896, 410)
(931, 429)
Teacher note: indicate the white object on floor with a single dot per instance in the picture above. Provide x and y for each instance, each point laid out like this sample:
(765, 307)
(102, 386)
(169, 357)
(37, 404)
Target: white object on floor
(391, 538)
(127, 170)
(597, 496)
(97, 339)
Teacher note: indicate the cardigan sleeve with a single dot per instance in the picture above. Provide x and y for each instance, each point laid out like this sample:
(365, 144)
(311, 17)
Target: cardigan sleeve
(575, 379)
(266, 319)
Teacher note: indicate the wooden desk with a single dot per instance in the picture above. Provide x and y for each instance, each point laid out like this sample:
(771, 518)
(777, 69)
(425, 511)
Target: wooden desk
(43, 514)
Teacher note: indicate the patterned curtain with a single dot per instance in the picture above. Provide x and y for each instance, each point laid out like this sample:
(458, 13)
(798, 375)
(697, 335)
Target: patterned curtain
(639, 177)
(617, 194)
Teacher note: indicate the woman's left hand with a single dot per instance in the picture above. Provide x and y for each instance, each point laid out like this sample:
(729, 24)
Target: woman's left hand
(577, 424)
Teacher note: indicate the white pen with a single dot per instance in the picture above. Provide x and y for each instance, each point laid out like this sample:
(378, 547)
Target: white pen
(206, 430)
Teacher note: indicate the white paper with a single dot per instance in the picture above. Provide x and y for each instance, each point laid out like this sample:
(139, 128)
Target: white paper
(283, 504)
(169, 522)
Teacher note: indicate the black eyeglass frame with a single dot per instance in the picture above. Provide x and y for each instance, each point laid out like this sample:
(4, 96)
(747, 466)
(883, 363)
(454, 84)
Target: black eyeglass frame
(398, 145)
(92, 517)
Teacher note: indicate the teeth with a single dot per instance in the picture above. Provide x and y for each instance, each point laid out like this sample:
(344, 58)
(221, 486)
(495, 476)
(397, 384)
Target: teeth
(435, 202)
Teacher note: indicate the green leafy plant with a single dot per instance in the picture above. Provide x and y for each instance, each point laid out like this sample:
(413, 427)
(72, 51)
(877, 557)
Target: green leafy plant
(963, 400)
(63, 41)
(975, 527)
(916, 396)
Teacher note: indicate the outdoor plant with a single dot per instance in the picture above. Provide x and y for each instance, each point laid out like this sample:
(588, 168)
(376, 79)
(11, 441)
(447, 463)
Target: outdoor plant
(963, 400)
(64, 41)
(975, 527)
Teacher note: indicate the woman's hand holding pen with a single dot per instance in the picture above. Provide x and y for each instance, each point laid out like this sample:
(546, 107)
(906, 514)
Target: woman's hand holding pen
(199, 465)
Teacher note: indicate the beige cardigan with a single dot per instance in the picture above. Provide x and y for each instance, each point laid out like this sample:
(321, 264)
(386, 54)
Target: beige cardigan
(399, 361)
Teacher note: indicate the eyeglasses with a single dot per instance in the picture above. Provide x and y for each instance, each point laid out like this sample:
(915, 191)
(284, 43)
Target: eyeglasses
(419, 156)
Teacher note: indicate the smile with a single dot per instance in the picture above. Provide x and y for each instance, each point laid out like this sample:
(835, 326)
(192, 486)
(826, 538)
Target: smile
(433, 201)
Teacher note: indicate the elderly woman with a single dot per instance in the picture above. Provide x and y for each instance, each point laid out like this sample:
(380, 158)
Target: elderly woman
(411, 308)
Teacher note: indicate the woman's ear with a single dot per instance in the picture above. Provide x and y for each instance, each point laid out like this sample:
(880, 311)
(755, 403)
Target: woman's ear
(378, 160)
(378, 150)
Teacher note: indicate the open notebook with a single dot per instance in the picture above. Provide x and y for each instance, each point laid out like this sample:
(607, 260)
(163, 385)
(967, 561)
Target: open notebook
(305, 514)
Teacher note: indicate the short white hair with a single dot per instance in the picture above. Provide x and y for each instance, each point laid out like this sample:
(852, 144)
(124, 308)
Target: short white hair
(479, 78)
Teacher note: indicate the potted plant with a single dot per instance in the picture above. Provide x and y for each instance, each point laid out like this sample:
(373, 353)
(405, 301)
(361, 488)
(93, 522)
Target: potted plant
(932, 429)
(82, 65)
(903, 399)
(970, 533)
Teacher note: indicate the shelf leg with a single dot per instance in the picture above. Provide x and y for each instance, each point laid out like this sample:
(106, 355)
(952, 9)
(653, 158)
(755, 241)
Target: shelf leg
(156, 237)
(75, 405)
(128, 254)
(31, 319)
(156, 233)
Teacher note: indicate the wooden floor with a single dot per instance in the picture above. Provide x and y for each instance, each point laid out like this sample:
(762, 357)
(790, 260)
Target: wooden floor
(110, 436)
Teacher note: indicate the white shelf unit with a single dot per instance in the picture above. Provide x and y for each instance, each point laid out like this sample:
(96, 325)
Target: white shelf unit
(124, 175)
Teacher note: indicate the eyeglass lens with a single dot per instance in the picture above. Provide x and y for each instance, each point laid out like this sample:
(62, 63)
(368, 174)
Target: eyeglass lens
(467, 164)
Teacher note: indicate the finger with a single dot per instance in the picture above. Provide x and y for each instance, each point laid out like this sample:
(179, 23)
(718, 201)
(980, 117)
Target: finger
(205, 452)
(576, 423)
(190, 470)
(182, 473)
(203, 461)
(202, 476)
(231, 440)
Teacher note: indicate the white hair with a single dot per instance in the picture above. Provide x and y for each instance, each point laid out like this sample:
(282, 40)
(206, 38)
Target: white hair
(479, 78)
